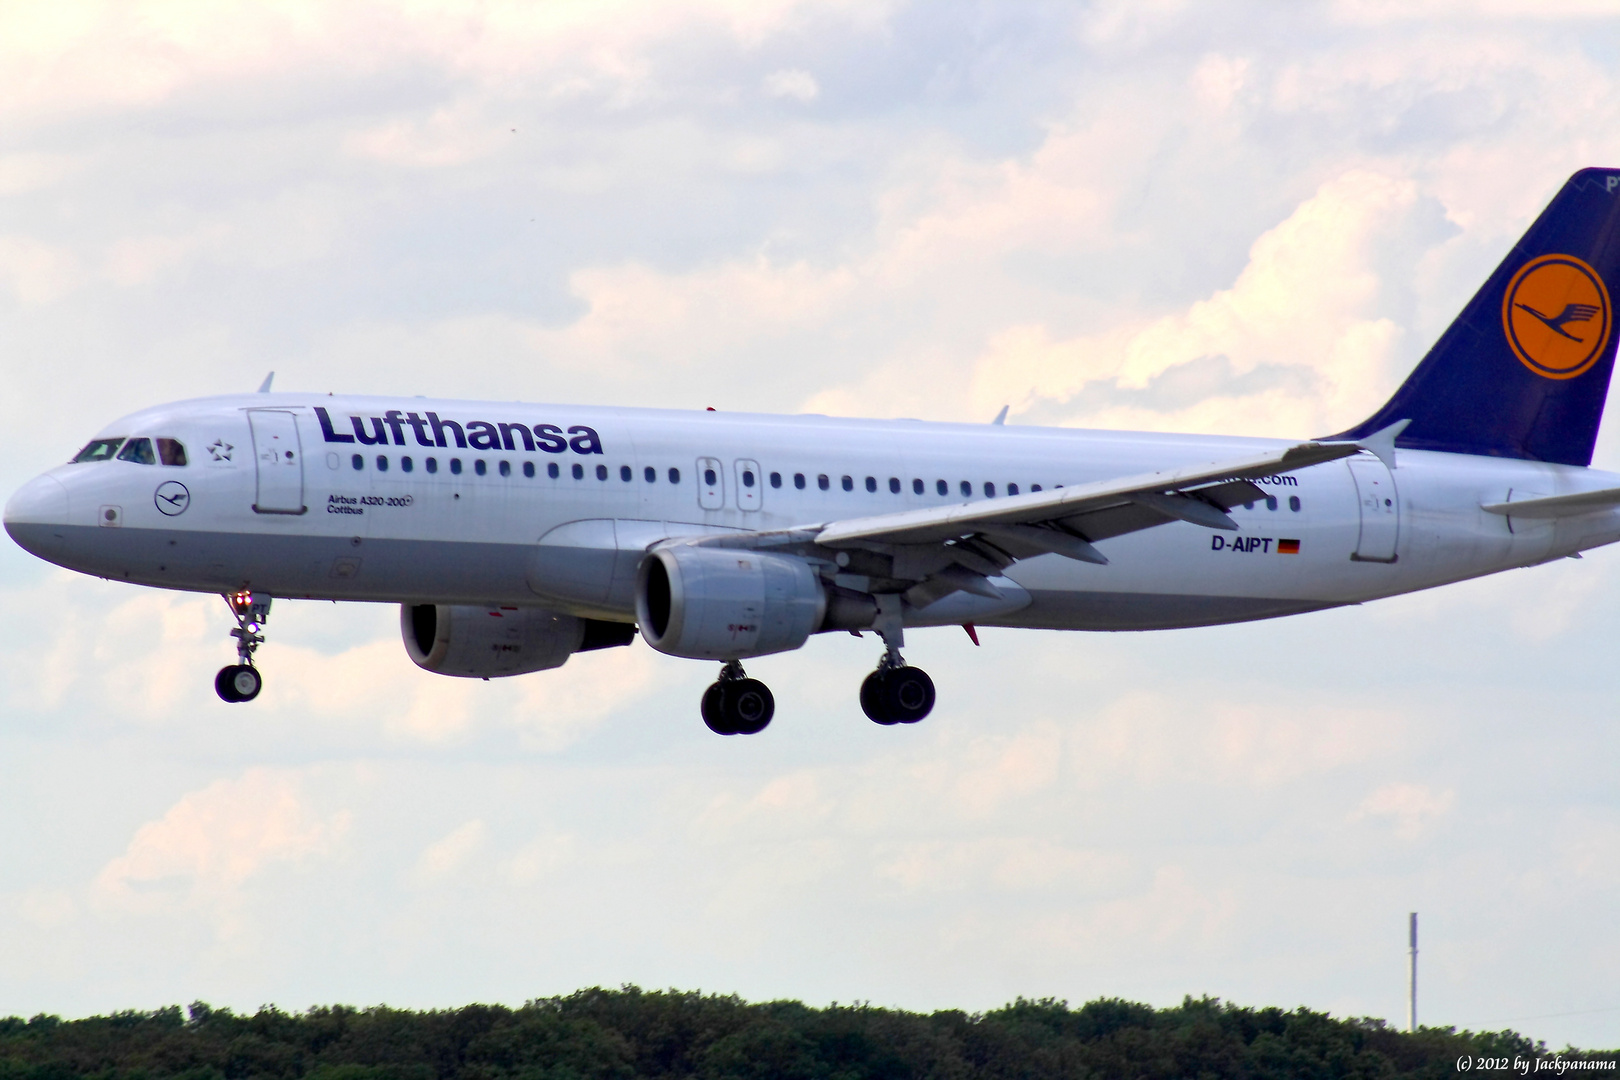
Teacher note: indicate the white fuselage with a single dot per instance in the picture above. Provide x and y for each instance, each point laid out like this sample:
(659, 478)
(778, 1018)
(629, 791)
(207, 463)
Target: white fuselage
(553, 506)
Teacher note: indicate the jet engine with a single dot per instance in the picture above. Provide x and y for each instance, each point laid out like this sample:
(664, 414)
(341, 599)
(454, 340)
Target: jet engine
(475, 642)
(723, 604)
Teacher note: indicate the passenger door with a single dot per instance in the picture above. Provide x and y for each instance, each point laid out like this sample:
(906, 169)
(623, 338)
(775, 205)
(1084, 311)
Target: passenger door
(1380, 510)
(278, 460)
(711, 482)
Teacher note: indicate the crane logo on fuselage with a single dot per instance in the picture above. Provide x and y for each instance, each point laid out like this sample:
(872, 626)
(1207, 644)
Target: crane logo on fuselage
(171, 498)
(431, 431)
(1557, 317)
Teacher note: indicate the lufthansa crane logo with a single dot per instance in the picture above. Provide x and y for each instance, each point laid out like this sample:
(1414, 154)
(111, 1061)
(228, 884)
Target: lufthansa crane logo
(1557, 317)
(171, 498)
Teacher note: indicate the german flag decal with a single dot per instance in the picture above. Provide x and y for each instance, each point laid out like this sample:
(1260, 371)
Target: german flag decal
(1288, 547)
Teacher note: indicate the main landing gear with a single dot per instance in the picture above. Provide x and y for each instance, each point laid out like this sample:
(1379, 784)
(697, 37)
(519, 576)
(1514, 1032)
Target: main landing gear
(241, 681)
(737, 705)
(895, 693)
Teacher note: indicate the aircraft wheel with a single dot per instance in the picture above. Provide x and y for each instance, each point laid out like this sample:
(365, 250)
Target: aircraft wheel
(713, 709)
(874, 702)
(898, 695)
(238, 682)
(910, 694)
(749, 706)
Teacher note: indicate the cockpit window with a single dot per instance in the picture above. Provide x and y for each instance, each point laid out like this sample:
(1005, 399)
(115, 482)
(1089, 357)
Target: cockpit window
(99, 450)
(139, 451)
(170, 452)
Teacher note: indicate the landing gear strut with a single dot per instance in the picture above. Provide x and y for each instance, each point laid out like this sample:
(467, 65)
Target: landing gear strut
(241, 681)
(895, 693)
(737, 705)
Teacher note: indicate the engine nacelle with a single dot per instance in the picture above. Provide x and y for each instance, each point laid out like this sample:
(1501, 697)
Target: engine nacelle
(723, 604)
(475, 642)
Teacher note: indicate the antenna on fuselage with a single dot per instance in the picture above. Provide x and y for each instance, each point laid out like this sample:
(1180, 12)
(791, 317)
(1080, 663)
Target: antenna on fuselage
(264, 387)
(1001, 417)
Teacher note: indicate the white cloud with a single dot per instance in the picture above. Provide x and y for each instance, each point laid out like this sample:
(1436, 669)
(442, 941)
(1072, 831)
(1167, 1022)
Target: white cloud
(451, 853)
(1413, 808)
(791, 83)
(207, 847)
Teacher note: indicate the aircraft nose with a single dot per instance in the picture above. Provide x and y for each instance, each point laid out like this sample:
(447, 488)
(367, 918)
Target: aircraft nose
(35, 515)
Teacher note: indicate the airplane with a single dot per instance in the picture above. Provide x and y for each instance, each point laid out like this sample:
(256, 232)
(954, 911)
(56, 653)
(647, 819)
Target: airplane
(515, 535)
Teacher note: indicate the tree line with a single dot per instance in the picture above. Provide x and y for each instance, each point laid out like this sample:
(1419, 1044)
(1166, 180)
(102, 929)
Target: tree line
(602, 1034)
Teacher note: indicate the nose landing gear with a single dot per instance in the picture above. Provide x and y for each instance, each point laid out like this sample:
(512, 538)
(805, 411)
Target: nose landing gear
(737, 705)
(241, 681)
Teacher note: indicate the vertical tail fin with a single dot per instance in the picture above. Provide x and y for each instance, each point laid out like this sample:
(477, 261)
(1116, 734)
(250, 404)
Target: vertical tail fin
(1524, 371)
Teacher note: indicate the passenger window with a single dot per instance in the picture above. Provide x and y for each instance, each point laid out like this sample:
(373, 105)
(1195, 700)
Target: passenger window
(1012, 489)
(674, 476)
(1293, 503)
(916, 487)
(822, 482)
(650, 475)
(942, 487)
(871, 483)
(776, 479)
(1034, 487)
(170, 452)
(506, 468)
(601, 472)
(99, 450)
(432, 464)
(552, 470)
(849, 483)
(358, 462)
(709, 479)
(528, 470)
(139, 451)
(406, 464)
(894, 485)
(1271, 502)
(455, 466)
(480, 466)
(967, 490)
(625, 474)
(578, 471)
(748, 478)
(382, 463)
(798, 480)
(989, 490)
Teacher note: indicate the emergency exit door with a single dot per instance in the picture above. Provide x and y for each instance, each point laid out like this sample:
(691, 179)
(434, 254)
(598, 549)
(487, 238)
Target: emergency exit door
(1380, 510)
(278, 461)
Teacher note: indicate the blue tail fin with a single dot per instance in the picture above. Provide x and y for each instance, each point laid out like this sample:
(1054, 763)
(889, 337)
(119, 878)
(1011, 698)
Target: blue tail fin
(1524, 371)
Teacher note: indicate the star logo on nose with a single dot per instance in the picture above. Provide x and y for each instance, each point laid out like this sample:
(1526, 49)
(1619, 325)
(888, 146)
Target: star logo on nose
(220, 449)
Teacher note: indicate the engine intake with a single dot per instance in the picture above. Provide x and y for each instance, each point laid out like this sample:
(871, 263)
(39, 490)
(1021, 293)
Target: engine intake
(474, 642)
(722, 604)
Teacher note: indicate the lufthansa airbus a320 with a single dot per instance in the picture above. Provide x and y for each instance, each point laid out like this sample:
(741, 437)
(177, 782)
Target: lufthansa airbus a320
(513, 536)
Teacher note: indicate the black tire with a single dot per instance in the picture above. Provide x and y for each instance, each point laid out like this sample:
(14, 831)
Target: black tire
(714, 709)
(238, 683)
(908, 694)
(748, 706)
(874, 699)
(223, 687)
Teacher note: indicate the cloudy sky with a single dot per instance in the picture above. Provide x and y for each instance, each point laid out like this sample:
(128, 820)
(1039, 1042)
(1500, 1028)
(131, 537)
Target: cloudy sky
(1235, 217)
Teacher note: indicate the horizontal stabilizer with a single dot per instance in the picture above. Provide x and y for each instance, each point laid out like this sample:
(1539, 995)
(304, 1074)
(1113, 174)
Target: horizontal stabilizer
(1558, 506)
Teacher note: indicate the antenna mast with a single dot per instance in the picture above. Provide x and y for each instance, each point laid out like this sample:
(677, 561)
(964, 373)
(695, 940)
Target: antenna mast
(1411, 973)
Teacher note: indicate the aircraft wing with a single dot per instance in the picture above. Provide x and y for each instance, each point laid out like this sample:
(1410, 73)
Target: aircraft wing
(931, 553)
